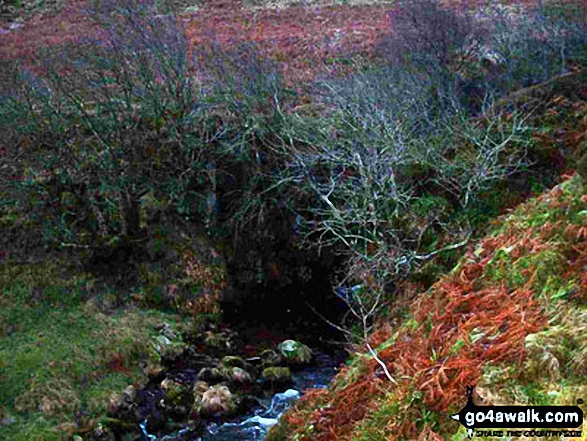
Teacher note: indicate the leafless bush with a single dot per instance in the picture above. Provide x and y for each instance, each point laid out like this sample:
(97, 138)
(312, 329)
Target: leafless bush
(423, 33)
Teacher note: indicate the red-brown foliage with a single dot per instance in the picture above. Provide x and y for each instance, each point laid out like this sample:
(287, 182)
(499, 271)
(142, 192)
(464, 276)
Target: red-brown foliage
(464, 323)
(336, 31)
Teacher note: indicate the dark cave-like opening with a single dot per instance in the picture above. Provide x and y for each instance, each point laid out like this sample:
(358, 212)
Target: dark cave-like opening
(296, 306)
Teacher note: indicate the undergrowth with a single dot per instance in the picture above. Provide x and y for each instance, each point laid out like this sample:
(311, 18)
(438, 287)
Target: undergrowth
(113, 141)
(63, 357)
(511, 333)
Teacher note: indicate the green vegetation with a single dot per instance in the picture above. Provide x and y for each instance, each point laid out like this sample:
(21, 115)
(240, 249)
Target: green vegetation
(65, 358)
(517, 299)
(143, 168)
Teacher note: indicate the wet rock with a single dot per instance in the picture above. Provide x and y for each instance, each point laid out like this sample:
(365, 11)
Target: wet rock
(200, 387)
(281, 402)
(211, 375)
(178, 399)
(175, 392)
(270, 358)
(125, 407)
(216, 400)
(238, 375)
(295, 352)
(252, 428)
(277, 376)
(233, 361)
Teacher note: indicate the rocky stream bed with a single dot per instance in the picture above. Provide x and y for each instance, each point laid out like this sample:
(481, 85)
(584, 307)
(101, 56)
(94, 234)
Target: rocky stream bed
(219, 386)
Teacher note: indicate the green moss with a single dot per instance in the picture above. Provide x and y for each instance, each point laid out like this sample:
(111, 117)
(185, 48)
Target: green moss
(278, 432)
(567, 207)
(61, 354)
(375, 426)
(542, 268)
(295, 351)
(381, 423)
(276, 374)
(37, 428)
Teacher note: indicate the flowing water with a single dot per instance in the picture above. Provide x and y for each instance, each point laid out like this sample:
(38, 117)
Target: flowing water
(254, 426)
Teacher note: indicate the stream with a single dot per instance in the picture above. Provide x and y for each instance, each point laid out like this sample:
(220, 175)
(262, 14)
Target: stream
(164, 409)
(254, 426)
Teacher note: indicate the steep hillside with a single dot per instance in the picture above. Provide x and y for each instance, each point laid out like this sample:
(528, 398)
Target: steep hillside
(510, 319)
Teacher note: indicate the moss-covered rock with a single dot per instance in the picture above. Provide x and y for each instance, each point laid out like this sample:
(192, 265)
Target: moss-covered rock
(169, 344)
(124, 406)
(238, 376)
(277, 376)
(211, 375)
(178, 399)
(61, 353)
(270, 358)
(295, 352)
(233, 361)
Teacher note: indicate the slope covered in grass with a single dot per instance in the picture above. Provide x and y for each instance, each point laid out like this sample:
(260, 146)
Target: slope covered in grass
(510, 319)
(62, 359)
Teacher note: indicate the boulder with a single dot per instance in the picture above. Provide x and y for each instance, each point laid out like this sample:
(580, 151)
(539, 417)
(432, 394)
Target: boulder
(200, 387)
(270, 358)
(125, 407)
(277, 376)
(233, 361)
(178, 399)
(238, 375)
(173, 390)
(295, 352)
(216, 400)
(211, 375)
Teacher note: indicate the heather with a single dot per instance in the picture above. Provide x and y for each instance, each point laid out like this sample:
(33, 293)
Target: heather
(168, 173)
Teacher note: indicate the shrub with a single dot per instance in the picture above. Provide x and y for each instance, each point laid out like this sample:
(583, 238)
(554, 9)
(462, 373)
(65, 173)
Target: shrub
(398, 165)
(498, 50)
(424, 34)
(111, 134)
(396, 174)
(107, 123)
(532, 46)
